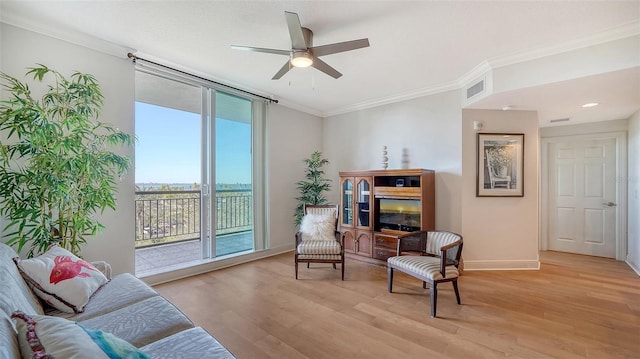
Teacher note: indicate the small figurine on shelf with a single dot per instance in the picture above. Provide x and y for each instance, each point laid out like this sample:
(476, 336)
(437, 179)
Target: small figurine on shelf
(405, 158)
(385, 158)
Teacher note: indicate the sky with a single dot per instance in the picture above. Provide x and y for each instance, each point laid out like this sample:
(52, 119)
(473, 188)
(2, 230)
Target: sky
(168, 147)
(400, 205)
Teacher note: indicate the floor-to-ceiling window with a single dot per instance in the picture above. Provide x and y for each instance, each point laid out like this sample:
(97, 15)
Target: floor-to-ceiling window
(196, 161)
(233, 189)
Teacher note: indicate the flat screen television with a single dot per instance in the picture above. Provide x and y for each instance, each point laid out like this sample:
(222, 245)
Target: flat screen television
(398, 214)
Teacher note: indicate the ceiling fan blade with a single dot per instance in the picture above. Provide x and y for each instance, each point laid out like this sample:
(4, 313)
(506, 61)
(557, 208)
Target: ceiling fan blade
(295, 31)
(260, 49)
(339, 47)
(324, 67)
(283, 70)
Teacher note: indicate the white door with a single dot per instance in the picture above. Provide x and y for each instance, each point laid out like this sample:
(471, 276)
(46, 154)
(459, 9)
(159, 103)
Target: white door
(582, 196)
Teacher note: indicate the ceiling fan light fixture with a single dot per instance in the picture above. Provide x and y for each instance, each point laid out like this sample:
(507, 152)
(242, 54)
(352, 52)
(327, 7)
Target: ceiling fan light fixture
(301, 59)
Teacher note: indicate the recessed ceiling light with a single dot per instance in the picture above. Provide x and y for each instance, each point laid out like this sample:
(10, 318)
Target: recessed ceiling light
(507, 107)
(590, 104)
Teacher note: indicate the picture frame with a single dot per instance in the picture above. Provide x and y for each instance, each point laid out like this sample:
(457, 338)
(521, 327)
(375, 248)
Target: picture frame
(500, 165)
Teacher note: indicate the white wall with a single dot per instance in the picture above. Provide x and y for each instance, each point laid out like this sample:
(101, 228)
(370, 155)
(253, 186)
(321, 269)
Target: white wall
(427, 128)
(293, 136)
(21, 49)
(284, 155)
(500, 232)
(633, 222)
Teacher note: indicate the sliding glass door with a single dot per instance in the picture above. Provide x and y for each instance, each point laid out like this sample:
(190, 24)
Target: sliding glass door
(233, 162)
(194, 169)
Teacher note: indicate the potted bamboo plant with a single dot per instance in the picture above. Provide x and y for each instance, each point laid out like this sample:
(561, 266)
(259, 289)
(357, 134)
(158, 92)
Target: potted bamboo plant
(58, 167)
(312, 190)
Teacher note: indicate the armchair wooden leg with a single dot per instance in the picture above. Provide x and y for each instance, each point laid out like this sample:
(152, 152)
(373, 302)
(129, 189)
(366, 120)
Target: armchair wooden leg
(424, 285)
(308, 264)
(342, 268)
(434, 299)
(455, 288)
(296, 270)
(334, 266)
(390, 278)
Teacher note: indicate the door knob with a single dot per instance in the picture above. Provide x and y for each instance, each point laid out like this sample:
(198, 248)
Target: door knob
(609, 204)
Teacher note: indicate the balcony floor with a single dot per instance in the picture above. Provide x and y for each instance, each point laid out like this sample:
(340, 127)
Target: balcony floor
(163, 258)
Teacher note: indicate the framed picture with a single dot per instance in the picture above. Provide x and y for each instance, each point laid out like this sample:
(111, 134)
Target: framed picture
(500, 165)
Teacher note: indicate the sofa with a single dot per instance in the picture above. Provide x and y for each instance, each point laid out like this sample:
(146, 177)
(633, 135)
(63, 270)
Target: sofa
(125, 306)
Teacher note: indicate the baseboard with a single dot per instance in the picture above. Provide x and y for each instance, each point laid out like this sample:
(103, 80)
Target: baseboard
(471, 265)
(633, 266)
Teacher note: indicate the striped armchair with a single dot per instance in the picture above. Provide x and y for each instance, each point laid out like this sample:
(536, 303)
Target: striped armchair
(318, 240)
(437, 260)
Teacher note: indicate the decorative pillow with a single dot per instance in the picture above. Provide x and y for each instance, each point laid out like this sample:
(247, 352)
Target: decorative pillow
(318, 227)
(61, 279)
(46, 337)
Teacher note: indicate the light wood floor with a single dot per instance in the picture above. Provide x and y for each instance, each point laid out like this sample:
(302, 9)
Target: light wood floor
(574, 307)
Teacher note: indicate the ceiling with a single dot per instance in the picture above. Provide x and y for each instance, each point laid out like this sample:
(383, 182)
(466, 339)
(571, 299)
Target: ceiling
(417, 47)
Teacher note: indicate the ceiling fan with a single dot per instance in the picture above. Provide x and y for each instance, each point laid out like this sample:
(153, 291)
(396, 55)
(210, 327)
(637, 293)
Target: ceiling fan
(303, 53)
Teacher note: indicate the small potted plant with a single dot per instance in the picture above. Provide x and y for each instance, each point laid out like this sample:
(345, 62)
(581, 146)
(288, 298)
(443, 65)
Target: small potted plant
(57, 166)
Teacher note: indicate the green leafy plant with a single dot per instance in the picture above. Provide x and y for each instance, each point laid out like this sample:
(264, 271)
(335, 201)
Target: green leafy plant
(57, 169)
(312, 190)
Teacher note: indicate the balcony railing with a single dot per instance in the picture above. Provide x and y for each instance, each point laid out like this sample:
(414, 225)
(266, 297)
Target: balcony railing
(174, 216)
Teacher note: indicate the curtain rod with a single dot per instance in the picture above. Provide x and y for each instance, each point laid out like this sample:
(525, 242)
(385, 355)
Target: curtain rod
(135, 58)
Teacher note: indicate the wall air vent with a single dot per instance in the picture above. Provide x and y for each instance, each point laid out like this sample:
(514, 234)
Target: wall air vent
(475, 89)
(559, 120)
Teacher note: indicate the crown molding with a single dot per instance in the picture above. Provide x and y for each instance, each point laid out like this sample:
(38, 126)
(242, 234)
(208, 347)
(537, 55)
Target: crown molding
(617, 33)
(67, 35)
(426, 91)
(299, 107)
(110, 48)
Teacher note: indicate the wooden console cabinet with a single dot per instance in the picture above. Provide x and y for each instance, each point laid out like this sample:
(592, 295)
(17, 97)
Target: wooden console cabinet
(370, 231)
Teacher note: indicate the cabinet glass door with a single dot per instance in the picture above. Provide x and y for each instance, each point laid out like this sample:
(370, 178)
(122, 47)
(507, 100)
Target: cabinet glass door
(363, 196)
(347, 202)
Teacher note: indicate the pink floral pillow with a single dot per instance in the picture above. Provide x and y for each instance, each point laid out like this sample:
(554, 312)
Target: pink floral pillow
(61, 279)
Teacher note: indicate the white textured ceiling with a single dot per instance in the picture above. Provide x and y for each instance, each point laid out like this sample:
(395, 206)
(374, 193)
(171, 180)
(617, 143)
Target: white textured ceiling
(416, 46)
